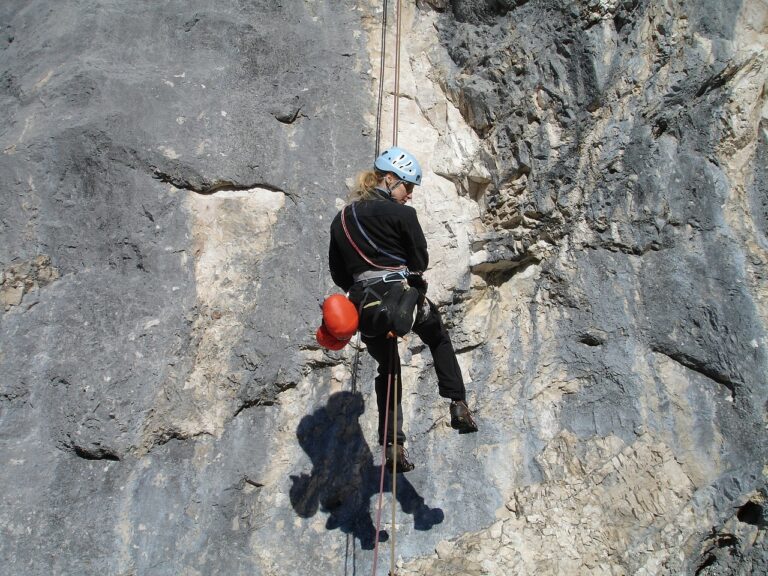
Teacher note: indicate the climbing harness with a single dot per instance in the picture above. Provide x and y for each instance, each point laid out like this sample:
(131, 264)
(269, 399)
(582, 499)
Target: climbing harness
(373, 276)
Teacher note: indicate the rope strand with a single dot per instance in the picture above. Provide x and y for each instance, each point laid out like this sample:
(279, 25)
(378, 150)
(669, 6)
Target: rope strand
(395, 379)
(393, 349)
(383, 463)
(397, 75)
(382, 69)
(359, 251)
(382, 62)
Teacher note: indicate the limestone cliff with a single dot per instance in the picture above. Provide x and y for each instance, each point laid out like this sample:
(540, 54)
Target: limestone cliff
(596, 205)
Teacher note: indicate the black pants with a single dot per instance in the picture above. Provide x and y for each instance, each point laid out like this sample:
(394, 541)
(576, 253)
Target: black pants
(449, 380)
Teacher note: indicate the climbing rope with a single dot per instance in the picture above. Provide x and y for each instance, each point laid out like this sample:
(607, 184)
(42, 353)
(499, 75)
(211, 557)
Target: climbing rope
(355, 362)
(381, 78)
(359, 251)
(392, 378)
(397, 76)
(382, 67)
(395, 379)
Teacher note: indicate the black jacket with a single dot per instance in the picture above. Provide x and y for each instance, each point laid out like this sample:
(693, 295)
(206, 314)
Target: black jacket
(394, 228)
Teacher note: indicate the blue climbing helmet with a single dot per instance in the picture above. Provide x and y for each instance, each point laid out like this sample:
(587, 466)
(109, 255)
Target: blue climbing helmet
(401, 163)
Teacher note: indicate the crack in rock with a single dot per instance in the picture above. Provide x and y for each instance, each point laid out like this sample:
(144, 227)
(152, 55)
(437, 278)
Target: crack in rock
(207, 188)
(95, 454)
(698, 366)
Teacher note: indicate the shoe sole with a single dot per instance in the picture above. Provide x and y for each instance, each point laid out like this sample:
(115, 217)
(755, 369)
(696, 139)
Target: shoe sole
(463, 426)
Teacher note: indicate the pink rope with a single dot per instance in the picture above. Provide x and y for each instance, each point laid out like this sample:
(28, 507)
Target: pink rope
(360, 252)
(383, 463)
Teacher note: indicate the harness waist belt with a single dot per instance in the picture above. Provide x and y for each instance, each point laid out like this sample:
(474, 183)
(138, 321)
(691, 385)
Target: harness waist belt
(373, 276)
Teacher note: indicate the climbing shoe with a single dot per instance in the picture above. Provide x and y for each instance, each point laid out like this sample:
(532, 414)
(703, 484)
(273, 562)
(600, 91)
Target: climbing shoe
(461, 417)
(400, 455)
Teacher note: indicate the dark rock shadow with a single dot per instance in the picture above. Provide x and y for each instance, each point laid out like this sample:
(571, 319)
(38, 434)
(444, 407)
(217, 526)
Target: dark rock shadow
(344, 477)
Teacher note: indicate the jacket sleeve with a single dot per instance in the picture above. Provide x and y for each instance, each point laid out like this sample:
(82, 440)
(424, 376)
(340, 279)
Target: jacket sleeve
(416, 244)
(339, 273)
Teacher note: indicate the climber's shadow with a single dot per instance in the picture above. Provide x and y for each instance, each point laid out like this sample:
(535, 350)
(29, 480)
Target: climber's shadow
(344, 478)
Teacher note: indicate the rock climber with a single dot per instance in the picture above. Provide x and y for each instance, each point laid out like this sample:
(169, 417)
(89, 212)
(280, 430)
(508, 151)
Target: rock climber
(378, 251)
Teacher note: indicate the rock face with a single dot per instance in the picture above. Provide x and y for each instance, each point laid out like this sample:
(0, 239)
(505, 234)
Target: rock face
(596, 203)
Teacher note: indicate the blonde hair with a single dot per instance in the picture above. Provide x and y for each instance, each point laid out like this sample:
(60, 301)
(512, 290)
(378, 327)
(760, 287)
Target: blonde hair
(365, 184)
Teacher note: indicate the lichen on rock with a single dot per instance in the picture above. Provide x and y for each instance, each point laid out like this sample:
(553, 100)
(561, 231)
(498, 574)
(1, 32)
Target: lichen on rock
(24, 277)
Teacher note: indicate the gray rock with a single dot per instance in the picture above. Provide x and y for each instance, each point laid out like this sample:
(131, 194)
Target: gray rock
(170, 174)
